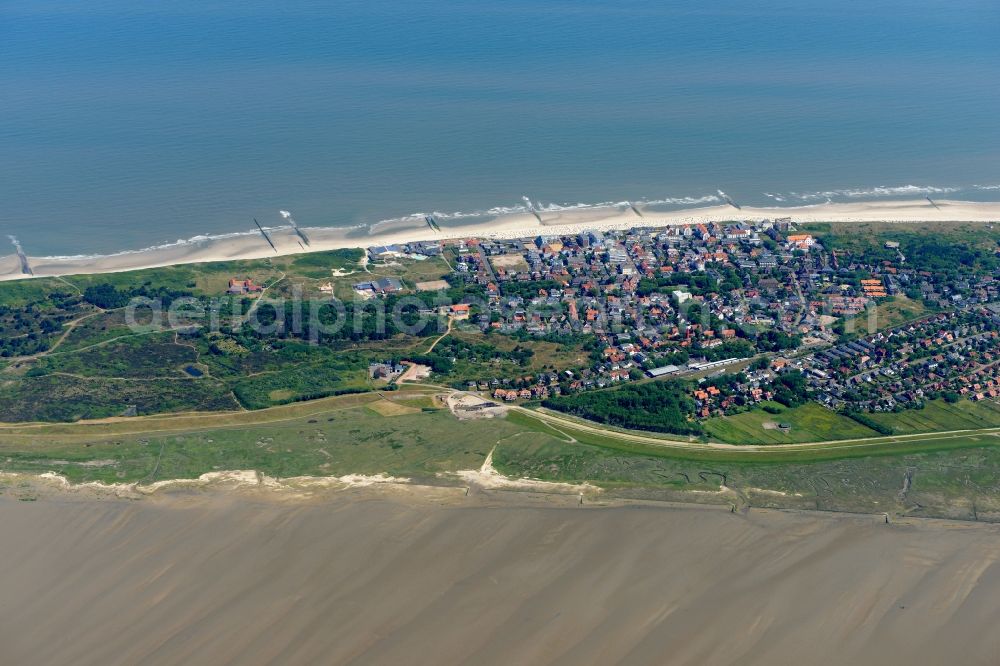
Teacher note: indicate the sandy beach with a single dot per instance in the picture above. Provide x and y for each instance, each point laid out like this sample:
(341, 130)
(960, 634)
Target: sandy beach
(375, 577)
(253, 246)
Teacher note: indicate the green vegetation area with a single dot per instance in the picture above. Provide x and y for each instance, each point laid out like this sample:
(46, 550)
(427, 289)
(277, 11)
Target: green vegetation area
(960, 483)
(779, 425)
(541, 355)
(67, 398)
(319, 264)
(335, 437)
(939, 415)
(888, 313)
(813, 423)
(657, 406)
(286, 404)
(407, 433)
(938, 247)
(667, 407)
(69, 350)
(469, 355)
(167, 372)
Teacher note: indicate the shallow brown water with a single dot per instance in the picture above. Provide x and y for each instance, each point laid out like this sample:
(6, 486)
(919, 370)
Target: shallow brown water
(398, 580)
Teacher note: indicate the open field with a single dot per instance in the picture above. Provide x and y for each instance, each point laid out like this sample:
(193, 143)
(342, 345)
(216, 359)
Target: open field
(405, 434)
(886, 313)
(809, 423)
(392, 408)
(307, 273)
(509, 262)
(21, 292)
(961, 483)
(433, 285)
(345, 435)
(634, 442)
(199, 279)
(940, 415)
(212, 278)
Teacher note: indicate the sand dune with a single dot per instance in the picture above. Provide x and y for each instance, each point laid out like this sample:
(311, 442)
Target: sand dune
(388, 579)
(252, 245)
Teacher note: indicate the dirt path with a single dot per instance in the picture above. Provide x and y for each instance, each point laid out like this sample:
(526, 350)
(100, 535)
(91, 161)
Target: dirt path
(69, 326)
(69, 284)
(564, 426)
(451, 321)
(549, 419)
(863, 442)
(104, 342)
(260, 297)
(188, 422)
(69, 329)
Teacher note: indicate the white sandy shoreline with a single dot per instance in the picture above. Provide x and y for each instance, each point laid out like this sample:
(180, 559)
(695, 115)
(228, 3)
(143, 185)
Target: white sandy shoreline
(253, 246)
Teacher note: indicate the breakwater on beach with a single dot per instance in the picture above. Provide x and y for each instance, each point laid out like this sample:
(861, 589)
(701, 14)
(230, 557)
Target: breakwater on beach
(545, 220)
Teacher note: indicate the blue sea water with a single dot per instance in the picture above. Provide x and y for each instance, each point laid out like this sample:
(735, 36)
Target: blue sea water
(126, 123)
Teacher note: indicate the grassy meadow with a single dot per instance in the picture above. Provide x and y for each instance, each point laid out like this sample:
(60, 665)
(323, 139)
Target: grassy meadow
(809, 423)
(938, 415)
(408, 433)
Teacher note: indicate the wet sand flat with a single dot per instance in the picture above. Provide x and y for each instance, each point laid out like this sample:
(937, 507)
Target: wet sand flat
(357, 578)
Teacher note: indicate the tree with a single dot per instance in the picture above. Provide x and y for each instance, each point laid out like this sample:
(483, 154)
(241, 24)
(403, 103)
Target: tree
(105, 296)
(657, 406)
(790, 389)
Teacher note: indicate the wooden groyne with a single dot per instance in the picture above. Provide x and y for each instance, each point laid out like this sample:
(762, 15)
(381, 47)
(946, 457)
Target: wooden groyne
(22, 257)
(299, 232)
(729, 200)
(25, 266)
(531, 209)
(264, 234)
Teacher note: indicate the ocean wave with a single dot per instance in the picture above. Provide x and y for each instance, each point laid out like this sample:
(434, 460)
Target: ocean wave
(419, 218)
(666, 201)
(180, 242)
(680, 201)
(865, 193)
(541, 207)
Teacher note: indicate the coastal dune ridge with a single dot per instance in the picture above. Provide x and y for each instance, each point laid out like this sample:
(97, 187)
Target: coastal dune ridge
(554, 220)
